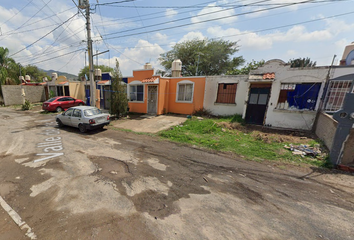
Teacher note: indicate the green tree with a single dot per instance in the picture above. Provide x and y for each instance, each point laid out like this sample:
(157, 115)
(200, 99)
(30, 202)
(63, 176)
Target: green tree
(119, 100)
(246, 69)
(85, 71)
(301, 63)
(8, 67)
(35, 73)
(203, 57)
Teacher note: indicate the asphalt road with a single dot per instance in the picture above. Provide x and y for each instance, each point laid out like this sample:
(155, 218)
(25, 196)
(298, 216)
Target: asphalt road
(61, 184)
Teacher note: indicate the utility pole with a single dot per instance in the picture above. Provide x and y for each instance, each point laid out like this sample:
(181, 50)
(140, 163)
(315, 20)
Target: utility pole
(90, 56)
(85, 4)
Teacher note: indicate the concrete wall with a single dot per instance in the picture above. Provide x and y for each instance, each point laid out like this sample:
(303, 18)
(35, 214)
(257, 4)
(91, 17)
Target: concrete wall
(12, 94)
(211, 91)
(287, 118)
(325, 130)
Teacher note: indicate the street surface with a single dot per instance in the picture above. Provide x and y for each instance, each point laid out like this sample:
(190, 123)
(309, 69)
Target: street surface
(110, 184)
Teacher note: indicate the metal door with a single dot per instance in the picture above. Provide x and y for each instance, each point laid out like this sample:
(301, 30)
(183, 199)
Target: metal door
(152, 99)
(257, 105)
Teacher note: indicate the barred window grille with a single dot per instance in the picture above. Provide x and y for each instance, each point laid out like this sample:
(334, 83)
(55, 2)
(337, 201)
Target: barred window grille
(226, 93)
(335, 94)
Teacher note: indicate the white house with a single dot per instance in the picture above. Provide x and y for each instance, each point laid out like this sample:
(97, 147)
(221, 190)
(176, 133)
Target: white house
(272, 95)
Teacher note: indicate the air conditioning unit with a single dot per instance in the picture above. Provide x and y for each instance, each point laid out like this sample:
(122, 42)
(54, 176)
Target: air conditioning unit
(83, 4)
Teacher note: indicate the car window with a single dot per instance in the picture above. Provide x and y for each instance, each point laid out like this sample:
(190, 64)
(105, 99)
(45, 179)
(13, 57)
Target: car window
(77, 113)
(51, 100)
(69, 99)
(92, 111)
(68, 112)
(62, 99)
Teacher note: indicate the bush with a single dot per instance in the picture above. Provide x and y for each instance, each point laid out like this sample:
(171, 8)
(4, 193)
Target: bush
(27, 105)
(202, 112)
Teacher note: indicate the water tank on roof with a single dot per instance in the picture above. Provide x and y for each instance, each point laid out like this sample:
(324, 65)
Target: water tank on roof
(177, 65)
(98, 72)
(147, 66)
(54, 75)
(21, 78)
(28, 78)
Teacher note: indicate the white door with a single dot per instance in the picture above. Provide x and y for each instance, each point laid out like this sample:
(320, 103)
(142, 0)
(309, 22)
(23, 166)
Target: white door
(152, 99)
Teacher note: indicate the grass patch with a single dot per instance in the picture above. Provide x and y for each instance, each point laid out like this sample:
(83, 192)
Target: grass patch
(228, 134)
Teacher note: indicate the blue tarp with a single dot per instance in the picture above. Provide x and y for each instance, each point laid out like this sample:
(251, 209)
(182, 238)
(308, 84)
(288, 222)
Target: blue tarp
(304, 96)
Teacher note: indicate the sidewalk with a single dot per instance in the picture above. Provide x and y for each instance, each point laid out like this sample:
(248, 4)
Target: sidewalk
(150, 124)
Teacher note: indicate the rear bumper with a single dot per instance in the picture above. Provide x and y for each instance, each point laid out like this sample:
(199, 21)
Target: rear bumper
(95, 126)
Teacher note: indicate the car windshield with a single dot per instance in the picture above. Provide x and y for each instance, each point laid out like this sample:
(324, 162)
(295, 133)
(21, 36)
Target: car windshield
(51, 100)
(91, 112)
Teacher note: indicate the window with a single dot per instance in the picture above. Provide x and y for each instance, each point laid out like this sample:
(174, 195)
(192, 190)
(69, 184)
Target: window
(226, 93)
(68, 112)
(185, 91)
(298, 96)
(92, 112)
(77, 113)
(136, 93)
(336, 94)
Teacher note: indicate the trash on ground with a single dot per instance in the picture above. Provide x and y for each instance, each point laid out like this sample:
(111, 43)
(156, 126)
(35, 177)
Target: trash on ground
(304, 150)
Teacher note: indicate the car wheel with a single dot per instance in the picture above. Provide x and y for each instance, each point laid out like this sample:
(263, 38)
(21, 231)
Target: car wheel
(58, 109)
(81, 104)
(60, 124)
(82, 128)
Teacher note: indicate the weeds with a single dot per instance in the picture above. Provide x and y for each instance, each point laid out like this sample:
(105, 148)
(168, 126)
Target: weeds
(229, 135)
(27, 105)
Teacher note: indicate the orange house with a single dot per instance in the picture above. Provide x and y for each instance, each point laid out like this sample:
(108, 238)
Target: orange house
(153, 94)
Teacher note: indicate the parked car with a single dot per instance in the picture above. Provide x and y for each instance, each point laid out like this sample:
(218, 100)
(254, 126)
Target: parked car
(83, 117)
(60, 103)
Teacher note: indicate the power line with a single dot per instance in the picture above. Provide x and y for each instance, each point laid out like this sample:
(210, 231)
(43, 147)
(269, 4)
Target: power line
(209, 20)
(17, 12)
(181, 19)
(62, 55)
(43, 36)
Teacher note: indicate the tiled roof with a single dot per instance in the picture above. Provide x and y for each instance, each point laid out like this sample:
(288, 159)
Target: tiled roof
(146, 80)
(63, 82)
(103, 82)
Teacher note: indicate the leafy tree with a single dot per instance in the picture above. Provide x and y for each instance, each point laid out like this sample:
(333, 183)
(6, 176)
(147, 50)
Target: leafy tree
(301, 63)
(34, 72)
(246, 69)
(8, 67)
(203, 57)
(119, 100)
(85, 70)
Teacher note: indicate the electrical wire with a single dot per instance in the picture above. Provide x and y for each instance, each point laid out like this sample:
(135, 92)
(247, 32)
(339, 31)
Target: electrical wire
(82, 49)
(16, 13)
(209, 20)
(181, 19)
(44, 36)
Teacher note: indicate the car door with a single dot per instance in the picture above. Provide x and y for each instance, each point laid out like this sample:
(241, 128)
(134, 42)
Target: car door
(76, 118)
(66, 117)
(70, 102)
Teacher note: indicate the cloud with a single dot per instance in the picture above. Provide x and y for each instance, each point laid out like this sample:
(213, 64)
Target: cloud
(191, 36)
(136, 57)
(246, 39)
(212, 12)
(170, 13)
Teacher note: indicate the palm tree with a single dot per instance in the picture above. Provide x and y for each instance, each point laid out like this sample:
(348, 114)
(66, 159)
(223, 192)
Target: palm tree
(301, 63)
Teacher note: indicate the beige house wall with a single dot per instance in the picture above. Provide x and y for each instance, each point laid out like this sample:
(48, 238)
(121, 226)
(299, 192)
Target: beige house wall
(77, 90)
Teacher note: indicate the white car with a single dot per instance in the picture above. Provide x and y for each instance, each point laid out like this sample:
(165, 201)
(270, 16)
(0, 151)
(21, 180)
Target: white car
(83, 117)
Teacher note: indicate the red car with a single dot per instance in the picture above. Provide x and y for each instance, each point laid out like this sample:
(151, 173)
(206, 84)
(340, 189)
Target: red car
(60, 103)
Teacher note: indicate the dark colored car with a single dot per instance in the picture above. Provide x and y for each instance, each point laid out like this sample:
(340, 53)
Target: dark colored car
(60, 103)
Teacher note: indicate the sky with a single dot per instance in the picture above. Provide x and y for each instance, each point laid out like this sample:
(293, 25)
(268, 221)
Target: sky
(51, 34)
